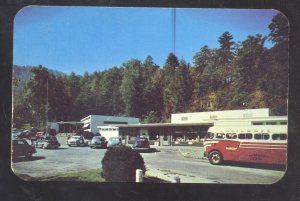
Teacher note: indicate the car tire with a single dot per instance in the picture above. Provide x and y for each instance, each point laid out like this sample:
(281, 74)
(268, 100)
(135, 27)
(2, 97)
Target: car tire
(28, 154)
(215, 157)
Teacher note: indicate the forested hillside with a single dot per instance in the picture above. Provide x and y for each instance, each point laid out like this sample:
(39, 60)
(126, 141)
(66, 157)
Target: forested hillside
(237, 75)
(21, 74)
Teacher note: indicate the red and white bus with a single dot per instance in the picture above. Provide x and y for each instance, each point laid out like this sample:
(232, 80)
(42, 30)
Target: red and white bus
(254, 144)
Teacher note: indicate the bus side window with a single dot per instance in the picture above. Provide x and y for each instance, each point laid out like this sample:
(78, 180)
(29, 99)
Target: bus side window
(210, 135)
(261, 136)
(230, 135)
(248, 135)
(242, 136)
(245, 136)
(266, 136)
(279, 136)
(219, 135)
(234, 136)
(257, 136)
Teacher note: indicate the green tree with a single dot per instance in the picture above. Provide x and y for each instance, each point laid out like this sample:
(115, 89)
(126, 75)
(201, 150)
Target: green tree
(278, 74)
(225, 52)
(201, 62)
(21, 110)
(110, 100)
(210, 79)
(73, 89)
(86, 100)
(248, 69)
(202, 58)
(169, 71)
(131, 88)
(152, 88)
(35, 94)
(155, 101)
(59, 106)
(183, 87)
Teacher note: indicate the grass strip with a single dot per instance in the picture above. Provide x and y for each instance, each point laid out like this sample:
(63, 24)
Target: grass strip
(83, 176)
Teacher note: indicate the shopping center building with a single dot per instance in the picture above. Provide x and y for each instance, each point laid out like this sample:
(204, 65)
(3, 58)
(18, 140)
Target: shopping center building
(190, 128)
(184, 128)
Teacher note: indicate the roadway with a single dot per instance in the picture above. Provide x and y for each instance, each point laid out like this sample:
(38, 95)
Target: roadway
(164, 163)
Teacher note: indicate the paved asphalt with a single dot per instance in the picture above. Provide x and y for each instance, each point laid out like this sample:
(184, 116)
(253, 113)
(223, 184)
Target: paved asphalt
(166, 163)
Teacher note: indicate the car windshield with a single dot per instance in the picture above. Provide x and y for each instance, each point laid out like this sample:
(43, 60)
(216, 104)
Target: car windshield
(20, 142)
(114, 139)
(76, 137)
(50, 138)
(141, 141)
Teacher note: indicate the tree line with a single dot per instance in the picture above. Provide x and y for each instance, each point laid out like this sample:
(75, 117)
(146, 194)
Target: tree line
(237, 75)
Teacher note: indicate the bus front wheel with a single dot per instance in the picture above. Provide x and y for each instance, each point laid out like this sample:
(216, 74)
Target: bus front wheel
(215, 157)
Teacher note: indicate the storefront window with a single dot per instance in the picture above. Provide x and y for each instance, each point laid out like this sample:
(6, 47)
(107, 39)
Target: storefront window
(165, 137)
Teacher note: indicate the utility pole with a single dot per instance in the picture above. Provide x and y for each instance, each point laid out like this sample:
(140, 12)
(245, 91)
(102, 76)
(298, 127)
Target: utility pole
(174, 31)
(47, 109)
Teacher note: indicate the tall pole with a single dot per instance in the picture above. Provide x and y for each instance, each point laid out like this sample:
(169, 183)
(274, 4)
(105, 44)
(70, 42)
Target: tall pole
(47, 110)
(13, 91)
(174, 30)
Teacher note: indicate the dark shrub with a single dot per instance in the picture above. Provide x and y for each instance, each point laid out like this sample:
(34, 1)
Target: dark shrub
(79, 132)
(119, 164)
(88, 135)
(52, 132)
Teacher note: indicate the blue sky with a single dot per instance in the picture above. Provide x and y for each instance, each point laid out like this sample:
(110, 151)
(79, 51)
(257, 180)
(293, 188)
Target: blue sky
(88, 39)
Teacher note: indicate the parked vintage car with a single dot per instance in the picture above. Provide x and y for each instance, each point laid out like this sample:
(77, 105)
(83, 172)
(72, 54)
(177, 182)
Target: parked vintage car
(113, 142)
(20, 147)
(50, 142)
(24, 134)
(15, 134)
(141, 144)
(77, 140)
(98, 142)
(40, 134)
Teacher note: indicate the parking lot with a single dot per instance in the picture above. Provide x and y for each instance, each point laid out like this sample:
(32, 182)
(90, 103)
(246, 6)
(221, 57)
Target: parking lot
(165, 163)
(49, 162)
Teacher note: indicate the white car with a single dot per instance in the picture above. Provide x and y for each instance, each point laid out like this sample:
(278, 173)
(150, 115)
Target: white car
(77, 140)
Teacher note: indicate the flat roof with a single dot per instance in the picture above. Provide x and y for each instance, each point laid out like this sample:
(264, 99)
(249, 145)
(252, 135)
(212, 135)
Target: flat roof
(69, 122)
(270, 118)
(109, 117)
(159, 125)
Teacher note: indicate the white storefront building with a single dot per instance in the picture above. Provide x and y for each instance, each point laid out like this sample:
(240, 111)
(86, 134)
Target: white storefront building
(91, 122)
(196, 117)
(191, 127)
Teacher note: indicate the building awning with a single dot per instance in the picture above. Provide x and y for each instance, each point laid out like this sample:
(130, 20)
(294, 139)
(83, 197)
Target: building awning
(69, 122)
(86, 126)
(156, 125)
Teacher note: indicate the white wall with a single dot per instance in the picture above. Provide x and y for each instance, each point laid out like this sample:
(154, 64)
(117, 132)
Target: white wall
(108, 131)
(53, 125)
(197, 117)
(100, 120)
